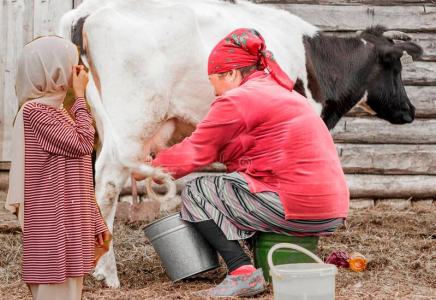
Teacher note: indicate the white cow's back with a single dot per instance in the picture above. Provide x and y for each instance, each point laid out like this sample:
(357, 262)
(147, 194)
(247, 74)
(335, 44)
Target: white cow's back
(171, 41)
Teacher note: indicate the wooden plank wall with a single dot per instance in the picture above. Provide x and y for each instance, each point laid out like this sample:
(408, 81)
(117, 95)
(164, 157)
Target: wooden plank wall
(383, 160)
(380, 160)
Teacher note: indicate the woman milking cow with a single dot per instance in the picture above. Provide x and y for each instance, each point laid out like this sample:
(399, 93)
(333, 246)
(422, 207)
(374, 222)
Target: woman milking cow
(283, 172)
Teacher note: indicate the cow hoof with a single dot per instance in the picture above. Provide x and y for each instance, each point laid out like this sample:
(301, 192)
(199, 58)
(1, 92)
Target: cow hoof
(113, 282)
(98, 276)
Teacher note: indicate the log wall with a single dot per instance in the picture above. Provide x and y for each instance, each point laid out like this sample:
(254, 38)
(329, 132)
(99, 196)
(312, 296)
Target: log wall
(380, 160)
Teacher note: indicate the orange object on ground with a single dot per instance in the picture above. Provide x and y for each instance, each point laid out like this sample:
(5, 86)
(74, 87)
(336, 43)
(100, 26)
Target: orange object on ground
(357, 262)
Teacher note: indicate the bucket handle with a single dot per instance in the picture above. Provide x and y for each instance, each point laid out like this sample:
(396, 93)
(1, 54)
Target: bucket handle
(288, 246)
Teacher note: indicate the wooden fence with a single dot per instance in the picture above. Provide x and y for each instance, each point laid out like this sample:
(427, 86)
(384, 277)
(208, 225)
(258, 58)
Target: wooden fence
(380, 160)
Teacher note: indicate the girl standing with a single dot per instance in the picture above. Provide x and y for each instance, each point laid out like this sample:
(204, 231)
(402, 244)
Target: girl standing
(51, 182)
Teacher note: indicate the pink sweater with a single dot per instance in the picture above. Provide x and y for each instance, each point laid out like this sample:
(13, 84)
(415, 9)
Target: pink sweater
(276, 141)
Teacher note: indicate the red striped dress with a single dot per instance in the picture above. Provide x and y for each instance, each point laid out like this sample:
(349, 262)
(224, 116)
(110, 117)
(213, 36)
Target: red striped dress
(61, 217)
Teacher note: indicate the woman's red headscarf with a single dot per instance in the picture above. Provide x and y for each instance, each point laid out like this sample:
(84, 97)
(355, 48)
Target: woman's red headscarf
(242, 48)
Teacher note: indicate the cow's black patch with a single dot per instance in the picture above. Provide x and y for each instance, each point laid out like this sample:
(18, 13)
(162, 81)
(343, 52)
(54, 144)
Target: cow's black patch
(76, 34)
(299, 87)
(231, 1)
(337, 68)
(341, 70)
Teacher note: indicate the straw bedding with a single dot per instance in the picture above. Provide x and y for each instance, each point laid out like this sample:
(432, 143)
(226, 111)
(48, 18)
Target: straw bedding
(400, 247)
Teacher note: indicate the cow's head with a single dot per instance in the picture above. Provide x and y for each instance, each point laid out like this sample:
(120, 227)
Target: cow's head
(386, 95)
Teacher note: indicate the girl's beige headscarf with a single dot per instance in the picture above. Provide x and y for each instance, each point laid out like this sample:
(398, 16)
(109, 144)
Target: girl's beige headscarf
(44, 76)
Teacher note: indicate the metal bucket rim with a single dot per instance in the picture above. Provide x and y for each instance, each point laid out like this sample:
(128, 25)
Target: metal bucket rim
(160, 221)
(165, 233)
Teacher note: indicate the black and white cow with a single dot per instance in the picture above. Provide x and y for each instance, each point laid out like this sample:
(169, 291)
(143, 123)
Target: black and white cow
(364, 70)
(149, 85)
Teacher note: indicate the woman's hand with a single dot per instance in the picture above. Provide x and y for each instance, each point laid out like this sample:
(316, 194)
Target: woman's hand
(140, 177)
(102, 238)
(80, 80)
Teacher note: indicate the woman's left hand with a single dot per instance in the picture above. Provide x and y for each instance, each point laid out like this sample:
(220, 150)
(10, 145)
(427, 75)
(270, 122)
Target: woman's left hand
(101, 238)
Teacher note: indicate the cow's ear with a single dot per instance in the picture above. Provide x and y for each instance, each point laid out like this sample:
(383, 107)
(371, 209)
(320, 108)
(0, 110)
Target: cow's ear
(411, 48)
(387, 54)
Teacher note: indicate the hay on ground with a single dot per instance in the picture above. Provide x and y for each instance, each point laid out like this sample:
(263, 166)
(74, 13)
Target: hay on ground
(400, 247)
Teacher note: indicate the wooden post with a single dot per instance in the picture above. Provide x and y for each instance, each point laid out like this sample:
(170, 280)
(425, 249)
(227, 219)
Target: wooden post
(16, 30)
(134, 190)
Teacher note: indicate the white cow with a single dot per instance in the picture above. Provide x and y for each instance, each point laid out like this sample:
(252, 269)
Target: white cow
(149, 83)
(143, 80)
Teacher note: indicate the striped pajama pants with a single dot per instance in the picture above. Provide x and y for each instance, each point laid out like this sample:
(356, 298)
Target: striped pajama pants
(227, 201)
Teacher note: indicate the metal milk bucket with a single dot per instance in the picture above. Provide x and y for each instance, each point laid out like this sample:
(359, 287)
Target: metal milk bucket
(303, 281)
(182, 249)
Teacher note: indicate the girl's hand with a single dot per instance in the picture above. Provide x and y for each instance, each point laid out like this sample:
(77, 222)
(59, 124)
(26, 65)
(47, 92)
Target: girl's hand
(80, 80)
(101, 238)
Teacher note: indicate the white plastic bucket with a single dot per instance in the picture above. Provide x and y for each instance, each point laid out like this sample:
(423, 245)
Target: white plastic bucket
(304, 281)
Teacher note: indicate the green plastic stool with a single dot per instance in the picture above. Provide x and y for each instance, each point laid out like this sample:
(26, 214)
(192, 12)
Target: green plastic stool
(264, 241)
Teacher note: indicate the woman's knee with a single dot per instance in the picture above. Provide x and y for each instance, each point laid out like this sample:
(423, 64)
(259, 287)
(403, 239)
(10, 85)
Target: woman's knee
(190, 191)
(197, 189)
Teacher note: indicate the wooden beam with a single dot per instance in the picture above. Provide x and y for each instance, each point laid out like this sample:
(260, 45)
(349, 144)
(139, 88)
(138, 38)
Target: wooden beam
(426, 40)
(422, 97)
(5, 165)
(361, 203)
(388, 159)
(391, 186)
(420, 73)
(215, 167)
(348, 2)
(355, 158)
(378, 131)
(360, 185)
(352, 18)
(4, 181)
(398, 204)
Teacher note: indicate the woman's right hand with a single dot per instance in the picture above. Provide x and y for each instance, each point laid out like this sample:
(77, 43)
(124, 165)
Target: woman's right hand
(139, 177)
(80, 80)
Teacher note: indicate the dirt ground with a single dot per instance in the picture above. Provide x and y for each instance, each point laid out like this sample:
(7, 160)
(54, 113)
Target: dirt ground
(400, 247)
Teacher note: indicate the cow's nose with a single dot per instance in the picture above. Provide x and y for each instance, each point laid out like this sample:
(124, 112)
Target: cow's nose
(407, 117)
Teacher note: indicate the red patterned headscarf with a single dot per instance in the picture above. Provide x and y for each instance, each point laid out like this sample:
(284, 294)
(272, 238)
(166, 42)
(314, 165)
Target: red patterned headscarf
(242, 48)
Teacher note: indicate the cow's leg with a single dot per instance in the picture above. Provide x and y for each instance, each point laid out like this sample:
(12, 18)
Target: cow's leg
(110, 179)
(134, 92)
